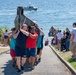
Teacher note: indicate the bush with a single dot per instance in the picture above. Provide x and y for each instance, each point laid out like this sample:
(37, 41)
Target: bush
(1, 35)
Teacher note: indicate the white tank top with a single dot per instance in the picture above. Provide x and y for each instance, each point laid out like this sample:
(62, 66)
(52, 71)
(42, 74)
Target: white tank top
(6, 33)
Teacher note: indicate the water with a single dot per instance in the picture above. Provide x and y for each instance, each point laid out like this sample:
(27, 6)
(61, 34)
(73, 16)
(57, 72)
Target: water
(57, 13)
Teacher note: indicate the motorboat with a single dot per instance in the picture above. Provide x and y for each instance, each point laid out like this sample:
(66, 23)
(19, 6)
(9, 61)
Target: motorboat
(29, 8)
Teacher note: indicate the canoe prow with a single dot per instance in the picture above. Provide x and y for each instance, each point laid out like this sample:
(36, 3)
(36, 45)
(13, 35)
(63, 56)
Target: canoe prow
(22, 19)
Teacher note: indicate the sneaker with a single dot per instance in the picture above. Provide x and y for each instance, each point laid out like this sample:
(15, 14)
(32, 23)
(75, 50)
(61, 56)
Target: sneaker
(13, 64)
(29, 66)
(36, 63)
(22, 68)
(16, 67)
(39, 59)
(18, 71)
(32, 67)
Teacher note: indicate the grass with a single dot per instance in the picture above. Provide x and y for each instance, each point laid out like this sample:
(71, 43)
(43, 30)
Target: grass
(67, 56)
(72, 62)
(2, 49)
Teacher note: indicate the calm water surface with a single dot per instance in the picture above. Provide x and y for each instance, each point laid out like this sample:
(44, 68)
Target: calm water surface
(57, 13)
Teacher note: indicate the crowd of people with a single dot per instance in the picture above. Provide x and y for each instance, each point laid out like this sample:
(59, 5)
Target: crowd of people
(25, 41)
(65, 40)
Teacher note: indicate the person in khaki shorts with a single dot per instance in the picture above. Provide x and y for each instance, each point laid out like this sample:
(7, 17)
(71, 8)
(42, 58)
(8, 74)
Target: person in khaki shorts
(73, 41)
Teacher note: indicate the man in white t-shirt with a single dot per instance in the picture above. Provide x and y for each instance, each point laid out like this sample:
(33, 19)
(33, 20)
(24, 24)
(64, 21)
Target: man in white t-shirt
(73, 41)
(59, 37)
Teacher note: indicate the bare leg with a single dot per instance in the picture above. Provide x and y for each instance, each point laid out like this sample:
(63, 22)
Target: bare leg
(29, 60)
(33, 60)
(40, 53)
(37, 57)
(23, 61)
(18, 62)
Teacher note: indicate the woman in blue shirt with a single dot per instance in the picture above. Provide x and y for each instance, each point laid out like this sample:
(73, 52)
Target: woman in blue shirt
(12, 46)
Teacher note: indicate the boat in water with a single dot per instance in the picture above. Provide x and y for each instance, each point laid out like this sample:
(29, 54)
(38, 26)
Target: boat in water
(30, 8)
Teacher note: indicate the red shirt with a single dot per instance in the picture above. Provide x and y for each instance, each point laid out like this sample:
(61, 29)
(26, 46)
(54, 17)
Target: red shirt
(31, 42)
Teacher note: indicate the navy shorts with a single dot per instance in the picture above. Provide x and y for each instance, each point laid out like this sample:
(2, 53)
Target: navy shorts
(38, 50)
(5, 37)
(30, 52)
(20, 52)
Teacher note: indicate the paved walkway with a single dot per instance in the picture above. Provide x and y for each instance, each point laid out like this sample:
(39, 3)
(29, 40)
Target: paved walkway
(49, 65)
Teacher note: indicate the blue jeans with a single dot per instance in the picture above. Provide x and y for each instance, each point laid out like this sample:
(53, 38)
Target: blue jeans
(67, 43)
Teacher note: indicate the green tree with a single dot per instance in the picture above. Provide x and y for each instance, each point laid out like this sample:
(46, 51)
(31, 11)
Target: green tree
(1, 34)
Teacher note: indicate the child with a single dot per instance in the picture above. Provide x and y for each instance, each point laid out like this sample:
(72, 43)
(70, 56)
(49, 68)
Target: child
(46, 42)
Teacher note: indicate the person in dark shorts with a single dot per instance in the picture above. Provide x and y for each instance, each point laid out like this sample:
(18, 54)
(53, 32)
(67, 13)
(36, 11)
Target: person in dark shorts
(31, 47)
(20, 47)
(5, 38)
(39, 45)
(12, 46)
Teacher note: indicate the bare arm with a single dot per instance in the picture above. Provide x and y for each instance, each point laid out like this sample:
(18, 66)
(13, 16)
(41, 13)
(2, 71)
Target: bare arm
(40, 30)
(24, 32)
(9, 34)
(72, 37)
(28, 34)
(16, 35)
(32, 36)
